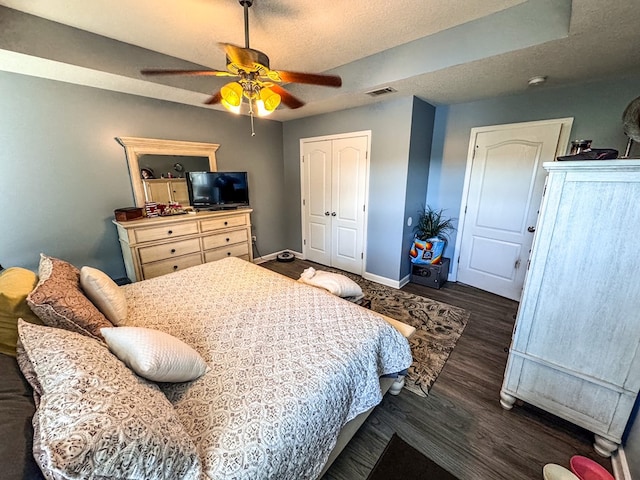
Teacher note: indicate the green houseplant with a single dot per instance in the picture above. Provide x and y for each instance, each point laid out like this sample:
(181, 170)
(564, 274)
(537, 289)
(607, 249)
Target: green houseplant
(431, 235)
(432, 224)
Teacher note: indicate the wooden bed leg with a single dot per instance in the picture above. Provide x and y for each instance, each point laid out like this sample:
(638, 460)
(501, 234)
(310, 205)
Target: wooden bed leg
(397, 385)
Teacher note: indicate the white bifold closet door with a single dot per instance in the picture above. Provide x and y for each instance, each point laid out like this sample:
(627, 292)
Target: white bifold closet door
(334, 173)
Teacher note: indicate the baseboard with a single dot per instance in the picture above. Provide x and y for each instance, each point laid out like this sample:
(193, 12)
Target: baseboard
(384, 280)
(620, 466)
(274, 255)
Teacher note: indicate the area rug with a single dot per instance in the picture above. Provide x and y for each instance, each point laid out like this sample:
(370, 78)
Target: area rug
(438, 328)
(400, 461)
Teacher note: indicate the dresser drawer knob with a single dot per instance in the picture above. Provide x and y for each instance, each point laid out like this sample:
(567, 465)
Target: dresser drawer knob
(227, 239)
(226, 223)
(173, 250)
(169, 232)
(175, 267)
(228, 254)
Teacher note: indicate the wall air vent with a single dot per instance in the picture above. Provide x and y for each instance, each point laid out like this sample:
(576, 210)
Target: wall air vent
(381, 91)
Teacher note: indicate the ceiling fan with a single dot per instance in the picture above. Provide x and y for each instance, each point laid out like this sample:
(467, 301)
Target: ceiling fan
(255, 80)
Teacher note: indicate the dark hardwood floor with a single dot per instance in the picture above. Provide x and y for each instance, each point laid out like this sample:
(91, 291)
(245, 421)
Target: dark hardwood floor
(461, 425)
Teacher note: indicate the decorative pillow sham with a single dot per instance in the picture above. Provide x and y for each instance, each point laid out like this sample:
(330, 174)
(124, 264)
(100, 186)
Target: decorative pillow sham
(105, 294)
(15, 284)
(155, 355)
(335, 283)
(96, 418)
(60, 302)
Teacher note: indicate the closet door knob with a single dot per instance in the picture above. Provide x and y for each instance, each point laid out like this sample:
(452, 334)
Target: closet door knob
(333, 214)
(531, 229)
(326, 213)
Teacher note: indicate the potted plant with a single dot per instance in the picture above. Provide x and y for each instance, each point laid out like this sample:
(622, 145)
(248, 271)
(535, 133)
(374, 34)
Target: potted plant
(431, 235)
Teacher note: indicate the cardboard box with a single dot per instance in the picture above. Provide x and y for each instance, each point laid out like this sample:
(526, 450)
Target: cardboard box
(431, 275)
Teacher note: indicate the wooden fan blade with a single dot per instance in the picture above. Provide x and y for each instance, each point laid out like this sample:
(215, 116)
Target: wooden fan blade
(239, 55)
(286, 98)
(215, 98)
(208, 73)
(310, 78)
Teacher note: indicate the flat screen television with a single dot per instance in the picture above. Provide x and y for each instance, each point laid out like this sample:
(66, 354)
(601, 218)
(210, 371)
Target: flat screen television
(218, 190)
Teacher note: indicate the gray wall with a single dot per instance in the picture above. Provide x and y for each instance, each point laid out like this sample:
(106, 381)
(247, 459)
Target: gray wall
(422, 121)
(390, 123)
(64, 174)
(596, 107)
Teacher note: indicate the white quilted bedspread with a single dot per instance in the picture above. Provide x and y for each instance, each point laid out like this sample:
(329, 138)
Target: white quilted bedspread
(289, 364)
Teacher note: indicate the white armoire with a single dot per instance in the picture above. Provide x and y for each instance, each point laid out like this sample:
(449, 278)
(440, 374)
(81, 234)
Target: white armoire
(574, 350)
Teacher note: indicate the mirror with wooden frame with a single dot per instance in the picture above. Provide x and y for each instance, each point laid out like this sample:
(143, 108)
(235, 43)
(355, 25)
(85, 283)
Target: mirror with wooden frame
(136, 147)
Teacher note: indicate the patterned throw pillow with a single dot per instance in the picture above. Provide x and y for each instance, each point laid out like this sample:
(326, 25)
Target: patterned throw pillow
(60, 302)
(155, 355)
(96, 418)
(105, 294)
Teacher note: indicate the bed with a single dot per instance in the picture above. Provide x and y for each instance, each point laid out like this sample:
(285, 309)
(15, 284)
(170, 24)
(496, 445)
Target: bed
(288, 368)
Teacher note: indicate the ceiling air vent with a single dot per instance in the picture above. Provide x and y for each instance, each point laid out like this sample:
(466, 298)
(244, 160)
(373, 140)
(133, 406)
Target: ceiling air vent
(381, 91)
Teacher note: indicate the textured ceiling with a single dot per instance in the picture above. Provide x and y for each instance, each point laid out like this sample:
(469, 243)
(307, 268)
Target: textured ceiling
(443, 52)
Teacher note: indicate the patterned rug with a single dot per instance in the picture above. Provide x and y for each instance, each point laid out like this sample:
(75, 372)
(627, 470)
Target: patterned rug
(438, 328)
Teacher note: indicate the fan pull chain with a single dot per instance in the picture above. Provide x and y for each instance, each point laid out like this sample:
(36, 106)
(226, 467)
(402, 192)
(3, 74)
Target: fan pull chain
(253, 133)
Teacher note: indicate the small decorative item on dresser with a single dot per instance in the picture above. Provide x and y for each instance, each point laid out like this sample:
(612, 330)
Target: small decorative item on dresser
(128, 213)
(152, 209)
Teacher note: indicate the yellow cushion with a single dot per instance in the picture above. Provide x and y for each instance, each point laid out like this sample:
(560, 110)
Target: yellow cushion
(15, 284)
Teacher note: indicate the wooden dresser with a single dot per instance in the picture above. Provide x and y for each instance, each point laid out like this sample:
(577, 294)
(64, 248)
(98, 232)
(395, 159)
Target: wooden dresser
(156, 246)
(575, 350)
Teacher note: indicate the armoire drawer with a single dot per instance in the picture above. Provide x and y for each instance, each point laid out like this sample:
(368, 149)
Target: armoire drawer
(168, 250)
(590, 405)
(224, 222)
(230, 251)
(163, 267)
(222, 239)
(165, 232)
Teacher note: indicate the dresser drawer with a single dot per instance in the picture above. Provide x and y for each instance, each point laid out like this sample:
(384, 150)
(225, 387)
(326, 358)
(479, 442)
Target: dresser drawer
(224, 222)
(231, 251)
(164, 232)
(169, 250)
(222, 239)
(172, 265)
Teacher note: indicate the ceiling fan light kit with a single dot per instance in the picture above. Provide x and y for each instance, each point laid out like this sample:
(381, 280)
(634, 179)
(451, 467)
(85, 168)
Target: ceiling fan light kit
(257, 82)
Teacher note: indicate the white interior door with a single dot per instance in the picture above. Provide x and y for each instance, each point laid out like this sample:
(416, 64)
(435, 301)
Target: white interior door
(347, 202)
(334, 182)
(504, 192)
(316, 173)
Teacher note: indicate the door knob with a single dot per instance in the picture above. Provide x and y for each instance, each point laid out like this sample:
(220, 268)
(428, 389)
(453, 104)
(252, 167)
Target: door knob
(531, 229)
(333, 214)
(326, 213)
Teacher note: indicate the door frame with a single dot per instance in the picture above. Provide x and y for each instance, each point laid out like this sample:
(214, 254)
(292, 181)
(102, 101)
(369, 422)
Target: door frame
(561, 149)
(303, 217)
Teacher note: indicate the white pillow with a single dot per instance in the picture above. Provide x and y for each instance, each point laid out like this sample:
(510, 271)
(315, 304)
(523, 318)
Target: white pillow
(335, 283)
(105, 294)
(155, 355)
